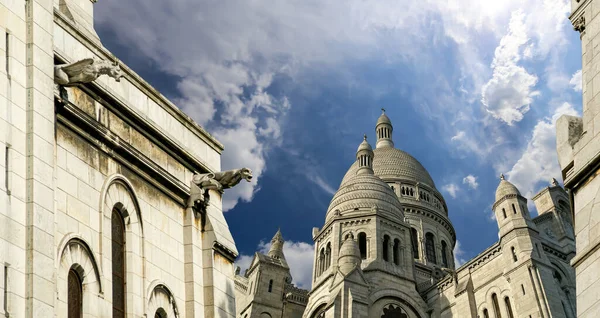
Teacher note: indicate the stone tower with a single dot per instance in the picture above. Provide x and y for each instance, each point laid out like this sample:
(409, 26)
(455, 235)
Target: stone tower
(524, 259)
(363, 260)
(552, 204)
(266, 289)
(578, 147)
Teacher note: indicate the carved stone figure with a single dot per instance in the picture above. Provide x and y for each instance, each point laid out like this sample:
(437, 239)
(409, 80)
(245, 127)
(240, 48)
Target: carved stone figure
(85, 71)
(218, 181)
(222, 180)
(579, 24)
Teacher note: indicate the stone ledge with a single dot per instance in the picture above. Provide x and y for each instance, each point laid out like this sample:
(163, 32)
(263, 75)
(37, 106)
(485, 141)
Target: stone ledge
(585, 253)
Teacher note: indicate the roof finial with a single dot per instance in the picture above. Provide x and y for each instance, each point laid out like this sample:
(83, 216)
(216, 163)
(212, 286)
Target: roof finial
(502, 176)
(383, 110)
(365, 137)
(554, 182)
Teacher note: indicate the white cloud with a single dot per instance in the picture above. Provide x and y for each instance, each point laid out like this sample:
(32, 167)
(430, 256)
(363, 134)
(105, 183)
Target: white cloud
(459, 255)
(471, 181)
(576, 81)
(508, 94)
(299, 256)
(316, 179)
(538, 161)
(452, 189)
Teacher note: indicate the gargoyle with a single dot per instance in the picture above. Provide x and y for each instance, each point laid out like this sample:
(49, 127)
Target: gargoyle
(218, 181)
(85, 71)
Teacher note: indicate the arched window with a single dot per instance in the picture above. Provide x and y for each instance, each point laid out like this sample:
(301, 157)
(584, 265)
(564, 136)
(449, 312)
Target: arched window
(396, 252)
(75, 295)
(508, 307)
(504, 212)
(118, 264)
(485, 314)
(321, 261)
(514, 209)
(362, 245)
(444, 254)
(414, 238)
(328, 256)
(496, 306)
(386, 243)
(430, 248)
(392, 311)
(160, 313)
(270, 285)
(514, 253)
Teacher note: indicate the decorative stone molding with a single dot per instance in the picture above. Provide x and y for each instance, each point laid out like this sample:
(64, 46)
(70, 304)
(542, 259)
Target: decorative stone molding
(579, 24)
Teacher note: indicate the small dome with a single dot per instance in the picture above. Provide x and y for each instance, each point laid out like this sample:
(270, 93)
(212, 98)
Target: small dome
(505, 188)
(349, 256)
(383, 119)
(362, 192)
(364, 145)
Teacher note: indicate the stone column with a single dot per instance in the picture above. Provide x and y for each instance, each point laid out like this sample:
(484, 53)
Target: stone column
(194, 280)
(40, 149)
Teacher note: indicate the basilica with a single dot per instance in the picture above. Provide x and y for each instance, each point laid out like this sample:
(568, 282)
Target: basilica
(385, 249)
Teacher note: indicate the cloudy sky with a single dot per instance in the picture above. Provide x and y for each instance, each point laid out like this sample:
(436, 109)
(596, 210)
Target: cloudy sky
(472, 87)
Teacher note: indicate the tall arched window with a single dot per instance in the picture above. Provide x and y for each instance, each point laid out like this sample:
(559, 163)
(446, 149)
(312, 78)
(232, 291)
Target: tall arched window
(386, 243)
(118, 264)
(514, 209)
(396, 251)
(485, 314)
(75, 295)
(514, 253)
(270, 285)
(321, 261)
(362, 245)
(328, 256)
(444, 254)
(160, 313)
(504, 212)
(508, 307)
(414, 238)
(430, 248)
(496, 306)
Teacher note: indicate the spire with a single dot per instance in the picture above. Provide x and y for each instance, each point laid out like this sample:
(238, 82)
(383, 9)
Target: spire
(384, 130)
(364, 157)
(276, 250)
(553, 182)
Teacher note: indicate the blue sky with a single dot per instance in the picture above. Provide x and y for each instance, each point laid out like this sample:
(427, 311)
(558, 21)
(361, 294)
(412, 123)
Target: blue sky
(473, 89)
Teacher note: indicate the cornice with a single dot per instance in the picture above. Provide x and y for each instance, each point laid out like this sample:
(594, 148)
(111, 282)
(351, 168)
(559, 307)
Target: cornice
(138, 82)
(76, 120)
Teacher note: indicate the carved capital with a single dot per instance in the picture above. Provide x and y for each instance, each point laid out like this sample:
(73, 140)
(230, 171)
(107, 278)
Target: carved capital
(579, 24)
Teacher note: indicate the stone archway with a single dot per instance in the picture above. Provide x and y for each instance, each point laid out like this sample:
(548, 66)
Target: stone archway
(75, 254)
(161, 302)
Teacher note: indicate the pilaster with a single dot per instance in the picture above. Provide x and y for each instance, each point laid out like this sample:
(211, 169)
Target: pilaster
(40, 148)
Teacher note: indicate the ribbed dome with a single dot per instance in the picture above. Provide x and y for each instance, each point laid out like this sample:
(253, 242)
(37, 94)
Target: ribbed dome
(505, 188)
(394, 163)
(364, 191)
(383, 119)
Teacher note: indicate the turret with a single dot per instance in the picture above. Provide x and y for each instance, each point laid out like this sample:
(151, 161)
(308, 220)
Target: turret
(364, 157)
(384, 131)
(276, 250)
(349, 256)
(510, 208)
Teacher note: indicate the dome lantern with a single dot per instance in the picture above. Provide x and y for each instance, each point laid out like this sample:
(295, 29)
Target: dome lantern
(384, 131)
(364, 157)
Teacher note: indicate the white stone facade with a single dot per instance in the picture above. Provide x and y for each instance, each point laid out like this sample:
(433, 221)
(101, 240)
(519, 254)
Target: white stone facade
(68, 165)
(578, 146)
(386, 250)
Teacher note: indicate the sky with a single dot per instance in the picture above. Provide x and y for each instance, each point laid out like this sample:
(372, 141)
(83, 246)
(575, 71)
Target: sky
(473, 89)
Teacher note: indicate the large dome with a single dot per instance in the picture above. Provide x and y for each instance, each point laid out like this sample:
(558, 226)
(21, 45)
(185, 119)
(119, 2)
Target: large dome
(361, 192)
(390, 162)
